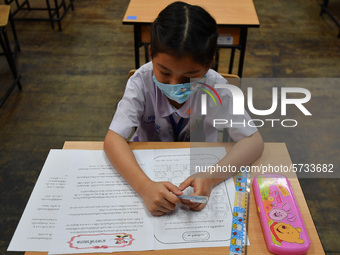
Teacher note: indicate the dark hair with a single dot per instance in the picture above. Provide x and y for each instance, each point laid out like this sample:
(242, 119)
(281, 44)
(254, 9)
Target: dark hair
(183, 30)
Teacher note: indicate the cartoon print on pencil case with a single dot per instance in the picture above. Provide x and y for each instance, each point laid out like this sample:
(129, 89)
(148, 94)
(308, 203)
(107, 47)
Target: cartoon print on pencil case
(286, 233)
(280, 214)
(268, 205)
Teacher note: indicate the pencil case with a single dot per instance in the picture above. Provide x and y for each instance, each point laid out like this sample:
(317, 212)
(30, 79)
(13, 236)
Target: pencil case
(280, 217)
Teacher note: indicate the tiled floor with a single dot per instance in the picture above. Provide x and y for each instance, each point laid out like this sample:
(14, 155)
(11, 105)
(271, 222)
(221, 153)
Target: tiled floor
(73, 79)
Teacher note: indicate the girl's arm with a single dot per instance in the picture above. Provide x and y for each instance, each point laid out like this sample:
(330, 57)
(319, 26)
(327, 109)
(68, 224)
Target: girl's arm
(156, 195)
(243, 153)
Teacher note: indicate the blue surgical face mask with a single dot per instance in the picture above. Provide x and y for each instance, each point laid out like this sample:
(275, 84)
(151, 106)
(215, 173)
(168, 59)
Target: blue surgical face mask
(178, 92)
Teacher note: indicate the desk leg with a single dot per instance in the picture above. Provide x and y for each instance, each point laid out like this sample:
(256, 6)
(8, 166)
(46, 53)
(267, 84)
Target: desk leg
(7, 51)
(137, 37)
(243, 39)
(16, 41)
(50, 13)
(324, 9)
(57, 6)
(324, 6)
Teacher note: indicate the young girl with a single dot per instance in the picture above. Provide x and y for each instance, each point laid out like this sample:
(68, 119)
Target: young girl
(183, 44)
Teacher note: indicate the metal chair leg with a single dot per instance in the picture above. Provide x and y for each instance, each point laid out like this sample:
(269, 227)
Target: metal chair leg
(231, 61)
(217, 59)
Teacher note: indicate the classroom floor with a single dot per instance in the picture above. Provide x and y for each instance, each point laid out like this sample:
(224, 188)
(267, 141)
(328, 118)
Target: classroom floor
(72, 81)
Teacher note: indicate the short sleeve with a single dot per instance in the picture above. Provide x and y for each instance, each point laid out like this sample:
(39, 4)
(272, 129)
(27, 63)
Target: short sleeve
(130, 109)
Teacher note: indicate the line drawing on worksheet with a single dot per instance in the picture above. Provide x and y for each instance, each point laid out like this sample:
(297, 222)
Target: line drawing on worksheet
(213, 223)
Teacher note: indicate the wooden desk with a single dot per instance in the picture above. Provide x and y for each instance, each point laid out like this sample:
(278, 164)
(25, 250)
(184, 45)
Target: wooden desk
(232, 16)
(274, 153)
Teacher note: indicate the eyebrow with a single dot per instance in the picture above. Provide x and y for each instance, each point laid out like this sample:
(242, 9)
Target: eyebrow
(167, 69)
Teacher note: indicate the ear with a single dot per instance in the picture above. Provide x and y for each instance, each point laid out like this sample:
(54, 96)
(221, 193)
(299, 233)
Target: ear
(286, 207)
(300, 241)
(291, 217)
(299, 230)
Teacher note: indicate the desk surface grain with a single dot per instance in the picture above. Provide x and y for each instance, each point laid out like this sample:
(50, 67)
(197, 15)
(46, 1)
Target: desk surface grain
(232, 12)
(274, 154)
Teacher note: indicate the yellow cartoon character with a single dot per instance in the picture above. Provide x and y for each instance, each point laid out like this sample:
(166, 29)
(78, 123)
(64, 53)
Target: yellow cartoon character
(238, 214)
(286, 232)
(239, 184)
(234, 241)
(237, 227)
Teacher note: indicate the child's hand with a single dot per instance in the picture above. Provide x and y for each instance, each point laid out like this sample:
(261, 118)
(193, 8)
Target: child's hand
(202, 187)
(158, 198)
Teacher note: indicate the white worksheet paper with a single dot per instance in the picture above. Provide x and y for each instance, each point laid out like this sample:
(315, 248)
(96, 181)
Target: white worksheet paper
(90, 224)
(184, 228)
(37, 223)
(100, 211)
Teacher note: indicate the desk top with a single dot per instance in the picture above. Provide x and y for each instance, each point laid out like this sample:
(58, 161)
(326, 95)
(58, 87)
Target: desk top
(274, 154)
(231, 12)
(4, 14)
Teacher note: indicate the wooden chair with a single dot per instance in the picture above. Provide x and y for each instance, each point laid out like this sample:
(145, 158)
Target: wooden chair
(223, 135)
(5, 16)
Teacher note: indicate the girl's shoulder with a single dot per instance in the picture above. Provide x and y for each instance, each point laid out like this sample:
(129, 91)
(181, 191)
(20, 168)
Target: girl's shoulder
(144, 72)
(214, 78)
(142, 77)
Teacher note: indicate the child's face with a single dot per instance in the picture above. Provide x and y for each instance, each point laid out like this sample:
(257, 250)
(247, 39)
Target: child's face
(173, 70)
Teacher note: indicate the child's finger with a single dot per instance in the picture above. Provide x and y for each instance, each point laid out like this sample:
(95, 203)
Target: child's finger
(188, 203)
(173, 188)
(198, 207)
(157, 213)
(186, 183)
(167, 205)
(194, 206)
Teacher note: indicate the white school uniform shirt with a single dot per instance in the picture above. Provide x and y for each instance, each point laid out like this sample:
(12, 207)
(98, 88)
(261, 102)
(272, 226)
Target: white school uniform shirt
(147, 109)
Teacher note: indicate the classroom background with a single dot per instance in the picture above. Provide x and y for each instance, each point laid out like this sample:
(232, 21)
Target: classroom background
(73, 79)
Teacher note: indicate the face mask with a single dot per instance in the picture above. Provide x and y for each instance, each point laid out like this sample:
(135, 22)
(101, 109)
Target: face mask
(178, 92)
